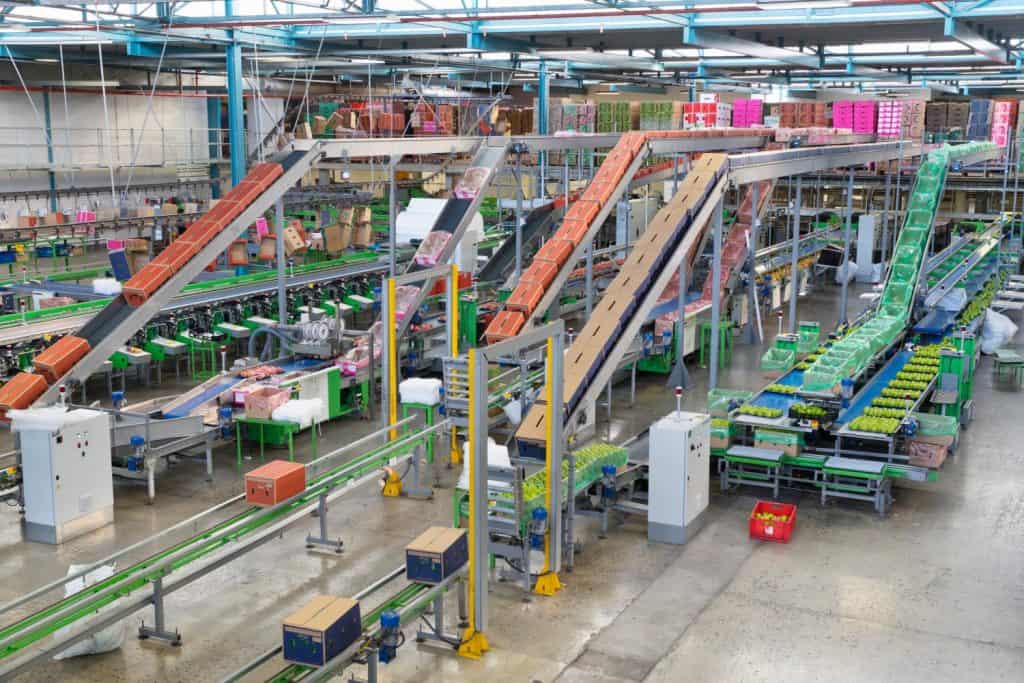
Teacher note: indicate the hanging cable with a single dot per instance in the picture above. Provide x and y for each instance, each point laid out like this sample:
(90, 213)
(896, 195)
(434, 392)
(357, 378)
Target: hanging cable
(258, 99)
(67, 117)
(106, 113)
(35, 110)
(137, 144)
(309, 77)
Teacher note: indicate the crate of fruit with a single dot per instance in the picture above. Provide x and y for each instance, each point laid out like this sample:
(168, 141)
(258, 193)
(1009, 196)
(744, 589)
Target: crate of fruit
(772, 521)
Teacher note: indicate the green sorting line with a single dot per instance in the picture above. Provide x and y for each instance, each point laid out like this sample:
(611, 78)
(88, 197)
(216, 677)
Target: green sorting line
(254, 519)
(207, 286)
(295, 672)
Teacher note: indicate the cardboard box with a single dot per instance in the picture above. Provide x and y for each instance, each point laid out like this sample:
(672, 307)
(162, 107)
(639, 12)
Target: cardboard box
(319, 125)
(28, 220)
(137, 261)
(238, 253)
(362, 236)
(275, 482)
(293, 242)
(261, 404)
(268, 247)
(337, 238)
(136, 245)
(303, 132)
(436, 554)
(321, 630)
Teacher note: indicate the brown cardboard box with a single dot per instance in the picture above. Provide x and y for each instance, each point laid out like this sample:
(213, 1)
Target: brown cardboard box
(28, 220)
(136, 260)
(337, 238)
(191, 207)
(338, 120)
(54, 218)
(238, 253)
(136, 245)
(364, 215)
(145, 211)
(268, 247)
(303, 132)
(293, 242)
(106, 214)
(347, 216)
(319, 125)
(362, 237)
(168, 209)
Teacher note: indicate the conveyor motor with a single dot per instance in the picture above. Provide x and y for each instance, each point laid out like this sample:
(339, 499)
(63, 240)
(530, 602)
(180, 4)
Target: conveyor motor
(391, 636)
(608, 490)
(538, 528)
(137, 461)
(224, 420)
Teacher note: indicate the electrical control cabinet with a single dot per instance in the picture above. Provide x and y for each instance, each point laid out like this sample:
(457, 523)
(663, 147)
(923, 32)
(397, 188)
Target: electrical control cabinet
(65, 461)
(680, 475)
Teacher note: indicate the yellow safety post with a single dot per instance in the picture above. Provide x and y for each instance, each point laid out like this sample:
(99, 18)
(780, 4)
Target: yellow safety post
(547, 581)
(454, 456)
(474, 643)
(392, 377)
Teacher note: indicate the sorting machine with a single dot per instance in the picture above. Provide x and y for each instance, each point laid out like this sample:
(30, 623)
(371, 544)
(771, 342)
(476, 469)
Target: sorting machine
(884, 396)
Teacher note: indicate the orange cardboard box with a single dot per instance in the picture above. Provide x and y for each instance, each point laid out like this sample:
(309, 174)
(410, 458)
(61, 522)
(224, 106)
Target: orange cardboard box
(54, 362)
(275, 482)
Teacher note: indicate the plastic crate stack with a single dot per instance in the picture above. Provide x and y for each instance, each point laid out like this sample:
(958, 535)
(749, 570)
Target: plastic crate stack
(890, 119)
(153, 275)
(1004, 117)
(842, 115)
(979, 125)
(848, 356)
(747, 113)
(864, 117)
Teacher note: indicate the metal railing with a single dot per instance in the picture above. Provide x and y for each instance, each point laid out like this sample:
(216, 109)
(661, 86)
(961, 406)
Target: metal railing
(66, 149)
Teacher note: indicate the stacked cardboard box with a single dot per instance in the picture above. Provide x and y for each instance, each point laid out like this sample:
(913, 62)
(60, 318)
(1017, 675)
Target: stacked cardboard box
(958, 115)
(935, 116)
(805, 114)
(787, 113)
(822, 115)
(747, 113)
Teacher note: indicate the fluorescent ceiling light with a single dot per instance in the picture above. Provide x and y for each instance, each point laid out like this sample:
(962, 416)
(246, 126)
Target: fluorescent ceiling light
(48, 42)
(805, 4)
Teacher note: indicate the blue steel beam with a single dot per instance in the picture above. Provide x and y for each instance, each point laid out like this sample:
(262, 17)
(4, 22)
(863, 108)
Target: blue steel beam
(236, 106)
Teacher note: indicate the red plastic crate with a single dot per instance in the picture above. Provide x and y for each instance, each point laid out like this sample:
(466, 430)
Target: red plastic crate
(144, 283)
(21, 391)
(765, 530)
(177, 254)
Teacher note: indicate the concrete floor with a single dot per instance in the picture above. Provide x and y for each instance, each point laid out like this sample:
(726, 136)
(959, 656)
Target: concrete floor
(933, 592)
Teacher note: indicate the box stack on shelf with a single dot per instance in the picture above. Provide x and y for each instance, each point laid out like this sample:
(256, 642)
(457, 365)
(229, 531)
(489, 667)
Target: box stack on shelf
(805, 114)
(958, 114)
(613, 117)
(935, 115)
(1004, 116)
(864, 117)
(787, 112)
(913, 119)
(655, 115)
(700, 114)
(747, 113)
(822, 115)
(890, 119)
(842, 115)
(979, 123)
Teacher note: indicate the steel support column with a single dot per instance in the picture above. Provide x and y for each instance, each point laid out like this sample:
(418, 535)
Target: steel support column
(846, 248)
(795, 255)
(885, 218)
(282, 262)
(213, 123)
(750, 330)
(716, 290)
(236, 105)
(48, 122)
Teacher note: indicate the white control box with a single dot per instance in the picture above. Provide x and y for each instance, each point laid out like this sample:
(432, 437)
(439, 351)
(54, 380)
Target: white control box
(68, 482)
(680, 476)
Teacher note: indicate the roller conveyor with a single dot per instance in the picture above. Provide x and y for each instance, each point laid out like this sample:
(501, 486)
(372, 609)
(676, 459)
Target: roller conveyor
(629, 299)
(113, 326)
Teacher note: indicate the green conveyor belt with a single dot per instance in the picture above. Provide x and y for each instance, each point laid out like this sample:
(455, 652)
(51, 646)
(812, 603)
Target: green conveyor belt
(137, 576)
(295, 672)
(195, 287)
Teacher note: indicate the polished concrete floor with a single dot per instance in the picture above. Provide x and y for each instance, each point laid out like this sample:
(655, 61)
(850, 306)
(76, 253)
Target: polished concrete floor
(933, 592)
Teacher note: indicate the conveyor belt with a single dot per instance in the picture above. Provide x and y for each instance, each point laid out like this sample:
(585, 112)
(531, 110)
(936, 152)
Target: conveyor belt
(232, 533)
(537, 223)
(616, 321)
(113, 326)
